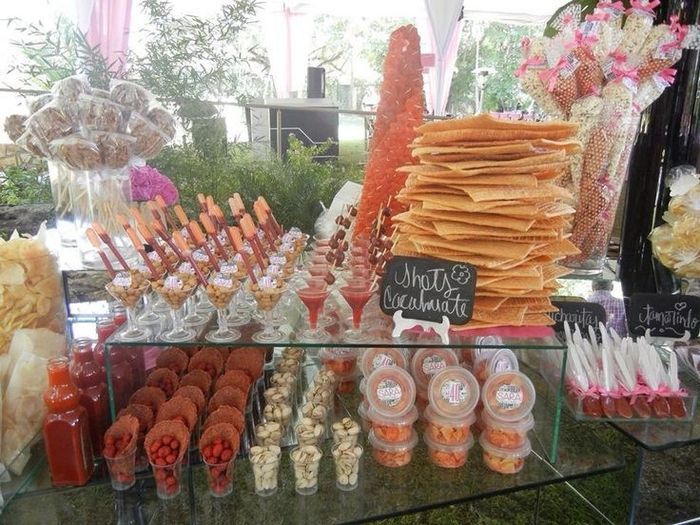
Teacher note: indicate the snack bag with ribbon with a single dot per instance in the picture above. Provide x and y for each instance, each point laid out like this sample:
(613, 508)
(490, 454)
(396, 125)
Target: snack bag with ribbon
(533, 63)
(588, 74)
(662, 49)
(651, 89)
(640, 19)
(560, 82)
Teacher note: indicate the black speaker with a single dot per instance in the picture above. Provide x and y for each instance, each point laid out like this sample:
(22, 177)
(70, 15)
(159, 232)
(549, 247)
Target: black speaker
(315, 82)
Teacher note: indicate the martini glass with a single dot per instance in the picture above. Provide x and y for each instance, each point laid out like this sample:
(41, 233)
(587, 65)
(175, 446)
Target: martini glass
(238, 311)
(221, 291)
(357, 293)
(192, 318)
(175, 290)
(267, 292)
(314, 296)
(128, 288)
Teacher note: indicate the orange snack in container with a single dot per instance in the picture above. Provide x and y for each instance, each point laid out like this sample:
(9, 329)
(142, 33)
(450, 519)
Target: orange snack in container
(391, 391)
(249, 359)
(508, 396)
(347, 385)
(504, 434)
(504, 461)
(226, 414)
(393, 455)
(374, 358)
(448, 456)
(194, 394)
(209, 360)
(198, 378)
(165, 379)
(235, 378)
(150, 396)
(343, 361)
(421, 402)
(393, 429)
(174, 359)
(427, 362)
(447, 430)
(453, 392)
(492, 361)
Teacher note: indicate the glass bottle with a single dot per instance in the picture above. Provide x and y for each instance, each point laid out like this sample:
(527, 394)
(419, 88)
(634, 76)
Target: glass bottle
(66, 428)
(89, 378)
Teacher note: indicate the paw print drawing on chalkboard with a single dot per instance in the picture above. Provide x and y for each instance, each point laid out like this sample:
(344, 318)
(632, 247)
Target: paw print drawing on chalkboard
(461, 274)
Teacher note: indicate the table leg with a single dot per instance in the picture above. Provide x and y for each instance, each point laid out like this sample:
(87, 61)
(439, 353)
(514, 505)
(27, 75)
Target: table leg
(538, 506)
(634, 500)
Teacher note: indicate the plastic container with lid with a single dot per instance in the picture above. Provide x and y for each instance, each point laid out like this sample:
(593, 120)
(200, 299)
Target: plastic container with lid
(453, 392)
(421, 402)
(427, 362)
(508, 396)
(448, 456)
(343, 361)
(492, 362)
(391, 391)
(374, 358)
(393, 454)
(393, 429)
(506, 434)
(503, 460)
(363, 388)
(447, 430)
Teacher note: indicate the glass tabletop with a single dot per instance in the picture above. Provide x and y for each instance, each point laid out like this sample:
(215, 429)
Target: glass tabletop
(657, 436)
(382, 492)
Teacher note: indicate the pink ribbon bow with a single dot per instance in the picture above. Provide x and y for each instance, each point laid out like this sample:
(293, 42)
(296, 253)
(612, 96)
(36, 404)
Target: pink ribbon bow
(598, 16)
(667, 75)
(549, 76)
(582, 40)
(616, 6)
(638, 5)
(525, 43)
(620, 72)
(679, 29)
(529, 62)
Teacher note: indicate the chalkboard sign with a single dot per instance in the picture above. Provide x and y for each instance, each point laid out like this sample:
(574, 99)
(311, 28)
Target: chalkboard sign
(577, 312)
(428, 289)
(665, 315)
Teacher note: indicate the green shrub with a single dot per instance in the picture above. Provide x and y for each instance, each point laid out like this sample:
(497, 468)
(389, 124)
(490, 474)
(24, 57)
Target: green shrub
(293, 187)
(25, 184)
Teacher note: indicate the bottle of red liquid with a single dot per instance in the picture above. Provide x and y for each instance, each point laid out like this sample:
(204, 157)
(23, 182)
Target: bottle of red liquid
(66, 429)
(118, 314)
(89, 378)
(122, 375)
(134, 354)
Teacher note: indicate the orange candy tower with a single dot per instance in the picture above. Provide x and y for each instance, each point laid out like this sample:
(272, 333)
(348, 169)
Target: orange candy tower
(399, 112)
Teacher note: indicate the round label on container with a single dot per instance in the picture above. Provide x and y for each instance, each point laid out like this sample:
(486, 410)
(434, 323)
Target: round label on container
(278, 260)
(222, 281)
(433, 364)
(454, 392)
(381, 360)
(153, 256)
(509, 397)
(122, 279)
(186, 268)
(389, 392)
(273, 270)
(229, 268)
(200, 256)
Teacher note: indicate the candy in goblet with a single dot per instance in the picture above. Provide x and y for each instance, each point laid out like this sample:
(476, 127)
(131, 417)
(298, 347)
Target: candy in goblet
(128, 288)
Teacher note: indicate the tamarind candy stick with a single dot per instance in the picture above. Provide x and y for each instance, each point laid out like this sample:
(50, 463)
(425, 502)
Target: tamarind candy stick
(219, 216)
(250, 234)
(184, 220)
(236, 210)
(187, 254)
(163, 234)
(234, 236)
(239, 202)
(262, 217)
(201, 199)
(104, 236)
(210, 204)
(138, 217)
(146, 234)
(276, 225)
(201, 242)
(160, 201)
(95, 241)
(155, 213)
(142, 252)
(211, 231)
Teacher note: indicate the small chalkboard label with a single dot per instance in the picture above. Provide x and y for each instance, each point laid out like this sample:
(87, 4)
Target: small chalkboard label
(665, 315)
(577, 312)
(428, 289)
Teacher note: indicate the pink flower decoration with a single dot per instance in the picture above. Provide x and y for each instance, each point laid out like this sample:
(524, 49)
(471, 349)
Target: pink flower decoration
(147, 182)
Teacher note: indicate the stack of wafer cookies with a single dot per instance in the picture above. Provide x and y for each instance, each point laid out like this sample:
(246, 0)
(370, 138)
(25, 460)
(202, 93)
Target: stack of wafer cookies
(484, 192)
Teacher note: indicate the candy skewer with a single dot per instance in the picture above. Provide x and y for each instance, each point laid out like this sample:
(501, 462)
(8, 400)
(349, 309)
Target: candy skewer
(160, 201)
(251, 236)
(104, 236)
(163, 234)
(95, 241)
(148, 236)
(187, 254)
(138, 245)
(184, 220)
(155, 213)
(201, 242)
(211, 231)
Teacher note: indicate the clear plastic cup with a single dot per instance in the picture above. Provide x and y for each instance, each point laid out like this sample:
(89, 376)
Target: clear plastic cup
(393, 455)
(453, 391)
(306, 460)
(374, 358)
(448, 430)
(396, 429)
(122, 470)
(343, 361)
(345, 430)
(508, 396)
(168, 477)
(506, 434)
(502, 460)
(391, 391)
(220, 477)
(265, 462)
(448, 456)
(346, 457)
